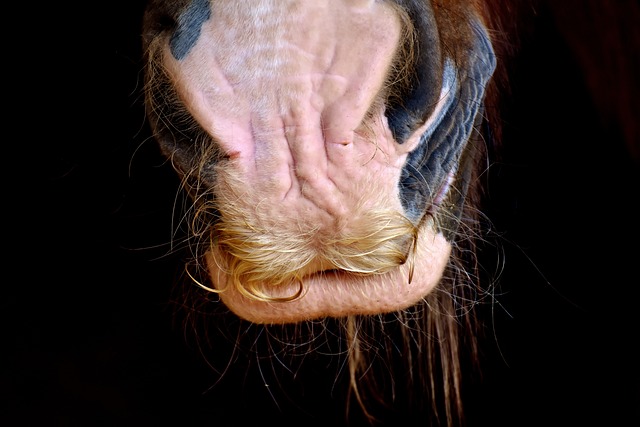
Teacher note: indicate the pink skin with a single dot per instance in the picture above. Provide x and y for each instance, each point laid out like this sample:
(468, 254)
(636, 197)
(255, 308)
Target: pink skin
(285, 95)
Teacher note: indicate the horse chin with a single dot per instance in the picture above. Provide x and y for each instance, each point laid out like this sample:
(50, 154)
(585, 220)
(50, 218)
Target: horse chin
(337, 293)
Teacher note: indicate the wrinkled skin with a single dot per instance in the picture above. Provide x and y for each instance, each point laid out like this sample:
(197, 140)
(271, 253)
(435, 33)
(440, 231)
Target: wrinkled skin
(330, 130)
(331, 152)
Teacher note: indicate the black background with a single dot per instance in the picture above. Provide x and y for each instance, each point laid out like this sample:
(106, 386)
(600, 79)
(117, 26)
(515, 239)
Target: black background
(90, 333)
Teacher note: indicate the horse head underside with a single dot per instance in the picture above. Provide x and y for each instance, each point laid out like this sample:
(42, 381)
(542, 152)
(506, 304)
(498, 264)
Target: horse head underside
(333, 152)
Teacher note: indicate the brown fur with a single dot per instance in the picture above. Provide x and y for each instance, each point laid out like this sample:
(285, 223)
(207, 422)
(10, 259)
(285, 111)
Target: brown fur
(429, 337)
(429, 340)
